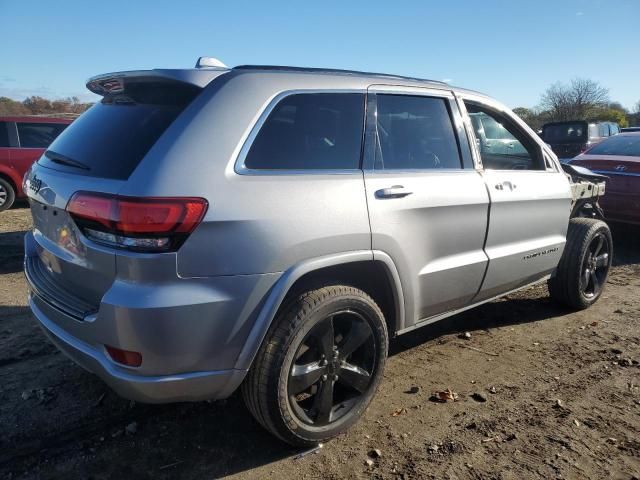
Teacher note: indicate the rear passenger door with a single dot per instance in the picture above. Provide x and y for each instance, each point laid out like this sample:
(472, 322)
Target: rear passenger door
(427, 203)
(530, 205)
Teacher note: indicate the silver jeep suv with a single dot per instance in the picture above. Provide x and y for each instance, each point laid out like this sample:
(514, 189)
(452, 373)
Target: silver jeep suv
(269, 228)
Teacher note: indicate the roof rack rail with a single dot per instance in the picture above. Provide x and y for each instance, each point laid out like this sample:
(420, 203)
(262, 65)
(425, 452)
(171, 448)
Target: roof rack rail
(331, 70)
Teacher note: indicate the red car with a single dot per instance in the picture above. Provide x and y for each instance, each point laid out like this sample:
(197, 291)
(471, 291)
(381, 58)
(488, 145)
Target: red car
(618, 158)
(22, 141)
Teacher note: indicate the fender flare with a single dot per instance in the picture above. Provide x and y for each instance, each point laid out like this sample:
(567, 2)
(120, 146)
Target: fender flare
(282, 286)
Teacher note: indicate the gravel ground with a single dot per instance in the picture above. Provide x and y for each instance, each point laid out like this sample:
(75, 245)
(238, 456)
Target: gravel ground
(557, 395)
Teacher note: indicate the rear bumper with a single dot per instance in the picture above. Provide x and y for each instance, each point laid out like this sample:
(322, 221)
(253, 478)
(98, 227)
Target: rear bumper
(190, 332)
(181, 387)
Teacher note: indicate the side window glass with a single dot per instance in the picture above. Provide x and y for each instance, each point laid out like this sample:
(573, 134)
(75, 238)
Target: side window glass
(415, 132)
(603, 130)
(503, 146)
(4, 135)
(38, 135)
(306, 131)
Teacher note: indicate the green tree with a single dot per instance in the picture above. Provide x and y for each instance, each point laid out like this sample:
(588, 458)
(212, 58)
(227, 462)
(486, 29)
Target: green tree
(11, 107)
(530, 116)
(578, 100)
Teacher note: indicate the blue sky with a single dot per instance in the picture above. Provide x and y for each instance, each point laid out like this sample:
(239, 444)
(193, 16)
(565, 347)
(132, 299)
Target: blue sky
(512, 50)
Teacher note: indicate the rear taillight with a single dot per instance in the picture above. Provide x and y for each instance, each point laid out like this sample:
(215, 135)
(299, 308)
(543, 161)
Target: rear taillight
(144, 224)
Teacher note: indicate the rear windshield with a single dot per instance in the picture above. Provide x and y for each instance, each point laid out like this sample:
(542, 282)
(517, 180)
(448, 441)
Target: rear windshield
(110, 139)
(628, 145)
(565, 133)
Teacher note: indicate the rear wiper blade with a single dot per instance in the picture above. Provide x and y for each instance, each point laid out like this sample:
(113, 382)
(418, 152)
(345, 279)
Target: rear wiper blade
(64, 160)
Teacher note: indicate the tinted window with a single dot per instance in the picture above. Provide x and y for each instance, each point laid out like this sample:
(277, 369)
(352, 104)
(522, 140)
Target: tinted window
(509, 148)
(614, 129)
(113, 136)
(310, 132)
(565, 132)
(618, 145)
(4, 134)
(38, 135)
(415, 133)
(603, 130)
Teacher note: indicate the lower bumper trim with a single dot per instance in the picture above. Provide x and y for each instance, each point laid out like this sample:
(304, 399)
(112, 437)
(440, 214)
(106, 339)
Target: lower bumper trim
(191, 386)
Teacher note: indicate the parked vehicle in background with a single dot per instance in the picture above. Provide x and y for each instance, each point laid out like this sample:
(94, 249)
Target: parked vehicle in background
(619, 159)
(568, 139)
(22, 141)
(630, 129)
(267, 228)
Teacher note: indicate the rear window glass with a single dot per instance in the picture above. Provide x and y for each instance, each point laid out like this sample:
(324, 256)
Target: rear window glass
(38, 135)
(310, 131)
(4, 134)
(111, 138)
(603, 130)
(618, 145)
(565, 133)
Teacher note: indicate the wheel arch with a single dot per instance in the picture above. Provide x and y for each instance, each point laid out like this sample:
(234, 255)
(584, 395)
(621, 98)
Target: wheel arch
(6, 174)
(355, 268)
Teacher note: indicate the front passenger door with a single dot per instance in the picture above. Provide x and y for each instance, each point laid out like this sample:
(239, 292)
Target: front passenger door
(530, 206)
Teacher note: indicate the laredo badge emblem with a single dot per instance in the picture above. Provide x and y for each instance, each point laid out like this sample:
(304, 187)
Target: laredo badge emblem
(35, 184)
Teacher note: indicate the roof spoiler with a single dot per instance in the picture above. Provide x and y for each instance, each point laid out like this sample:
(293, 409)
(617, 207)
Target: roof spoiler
(116, 82)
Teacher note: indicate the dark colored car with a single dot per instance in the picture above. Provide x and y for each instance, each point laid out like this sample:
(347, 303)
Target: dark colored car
(568, 139)
(22, 141)
(619, 159)
(630, 129)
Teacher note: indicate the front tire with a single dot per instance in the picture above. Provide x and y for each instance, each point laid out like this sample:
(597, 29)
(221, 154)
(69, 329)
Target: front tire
(319, 366)
(584, 266)
(7, 195)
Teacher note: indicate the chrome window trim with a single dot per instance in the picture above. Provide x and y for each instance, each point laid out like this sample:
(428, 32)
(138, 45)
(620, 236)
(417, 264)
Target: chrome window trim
(471, 137)
(252, 132)
(426, 171)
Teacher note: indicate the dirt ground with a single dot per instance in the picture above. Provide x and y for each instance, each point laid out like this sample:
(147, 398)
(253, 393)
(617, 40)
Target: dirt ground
(562, 394)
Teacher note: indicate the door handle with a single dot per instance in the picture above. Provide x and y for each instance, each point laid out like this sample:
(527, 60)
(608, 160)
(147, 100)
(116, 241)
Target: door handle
(506, 184)
(397, 191)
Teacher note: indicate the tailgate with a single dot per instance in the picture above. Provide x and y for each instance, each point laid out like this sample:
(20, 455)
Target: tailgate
(61, 265)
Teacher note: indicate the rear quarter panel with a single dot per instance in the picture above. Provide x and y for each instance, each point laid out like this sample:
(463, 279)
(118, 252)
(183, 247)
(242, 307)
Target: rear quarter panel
(255, 223)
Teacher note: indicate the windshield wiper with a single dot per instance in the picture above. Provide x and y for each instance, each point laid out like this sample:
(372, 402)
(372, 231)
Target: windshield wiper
(64, 160)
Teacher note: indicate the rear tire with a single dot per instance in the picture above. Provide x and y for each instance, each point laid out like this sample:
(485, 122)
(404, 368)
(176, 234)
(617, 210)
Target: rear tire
(319, 366)
(584, 266)
(7, 195)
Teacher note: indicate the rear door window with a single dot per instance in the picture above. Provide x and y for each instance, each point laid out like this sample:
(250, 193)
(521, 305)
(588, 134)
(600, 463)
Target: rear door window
(38, 134)
(111, 138)
(4, 135)
(310, 131)
(415, 132)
